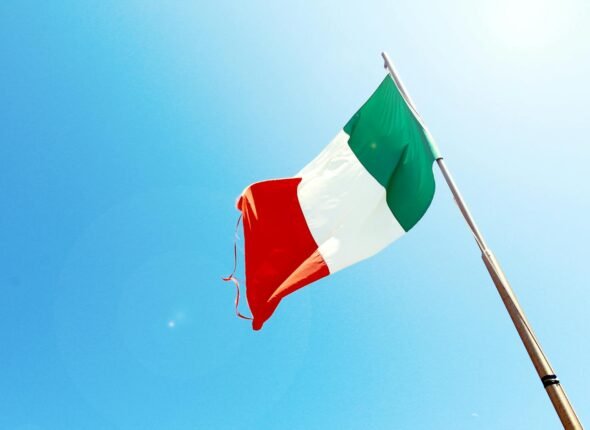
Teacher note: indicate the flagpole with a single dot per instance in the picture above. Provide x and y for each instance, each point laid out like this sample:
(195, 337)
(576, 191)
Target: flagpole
(554, 390)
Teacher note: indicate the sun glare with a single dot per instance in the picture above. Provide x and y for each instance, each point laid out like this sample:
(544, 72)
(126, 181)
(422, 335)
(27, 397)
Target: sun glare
(528, 24)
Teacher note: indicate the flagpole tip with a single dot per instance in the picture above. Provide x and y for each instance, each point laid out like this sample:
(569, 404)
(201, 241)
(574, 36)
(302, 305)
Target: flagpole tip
(386, 61)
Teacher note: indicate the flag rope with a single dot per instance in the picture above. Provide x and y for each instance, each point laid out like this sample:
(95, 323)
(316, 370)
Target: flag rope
(232, 278)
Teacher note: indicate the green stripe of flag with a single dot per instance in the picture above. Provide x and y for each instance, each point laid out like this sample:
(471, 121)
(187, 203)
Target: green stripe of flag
(396, 150)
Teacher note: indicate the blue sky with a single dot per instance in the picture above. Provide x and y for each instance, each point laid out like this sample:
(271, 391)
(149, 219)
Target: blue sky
(128, 128)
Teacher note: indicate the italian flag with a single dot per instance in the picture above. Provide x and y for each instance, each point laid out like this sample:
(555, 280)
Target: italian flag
(367, 188)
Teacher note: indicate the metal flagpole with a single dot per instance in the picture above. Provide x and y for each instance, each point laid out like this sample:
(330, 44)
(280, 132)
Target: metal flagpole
(556, 393)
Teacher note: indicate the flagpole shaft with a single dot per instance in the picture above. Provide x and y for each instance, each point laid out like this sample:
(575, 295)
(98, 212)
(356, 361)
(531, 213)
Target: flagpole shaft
(555, 391)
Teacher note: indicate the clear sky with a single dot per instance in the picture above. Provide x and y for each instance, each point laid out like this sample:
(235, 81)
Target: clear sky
(127, 130)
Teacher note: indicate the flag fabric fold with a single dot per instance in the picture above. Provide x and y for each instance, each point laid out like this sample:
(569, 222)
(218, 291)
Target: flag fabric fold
(366, 189)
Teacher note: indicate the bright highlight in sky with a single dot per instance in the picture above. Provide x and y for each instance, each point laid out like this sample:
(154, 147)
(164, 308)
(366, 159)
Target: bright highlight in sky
(528, 24)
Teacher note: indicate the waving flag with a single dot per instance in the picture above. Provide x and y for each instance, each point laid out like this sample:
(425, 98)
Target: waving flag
(367, 188)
